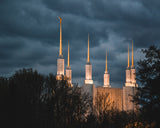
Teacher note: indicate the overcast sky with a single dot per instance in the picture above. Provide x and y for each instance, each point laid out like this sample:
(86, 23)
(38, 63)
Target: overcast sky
(29, 35)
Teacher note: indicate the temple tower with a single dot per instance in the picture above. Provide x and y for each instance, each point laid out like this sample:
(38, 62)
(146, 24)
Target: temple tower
(60, 60)
(128, 72)
(129, 90)
(106, 76)
(133, 71)
(88, 68)
(88, 87)
(68, 70)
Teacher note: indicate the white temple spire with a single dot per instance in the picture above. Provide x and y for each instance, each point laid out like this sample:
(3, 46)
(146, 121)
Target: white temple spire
(106, 75)
(88, 68)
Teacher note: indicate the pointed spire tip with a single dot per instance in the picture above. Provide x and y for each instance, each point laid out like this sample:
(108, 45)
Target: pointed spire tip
(106, 63)
(88, 59)
(132, 55)
(68, 56)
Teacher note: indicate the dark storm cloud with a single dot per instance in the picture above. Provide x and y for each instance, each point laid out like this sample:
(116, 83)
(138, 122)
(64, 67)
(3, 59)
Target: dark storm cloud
(29, 34)
(27, 20)
(20, 52)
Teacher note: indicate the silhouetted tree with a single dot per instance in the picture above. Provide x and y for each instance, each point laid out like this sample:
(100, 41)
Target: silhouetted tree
(25, 89)
(149, 77)
(67, 105)
(102, 105)
(4, 101)
(32, 100)
(109, 116)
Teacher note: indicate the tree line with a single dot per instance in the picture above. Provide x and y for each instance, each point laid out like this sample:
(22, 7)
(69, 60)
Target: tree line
(29, 99)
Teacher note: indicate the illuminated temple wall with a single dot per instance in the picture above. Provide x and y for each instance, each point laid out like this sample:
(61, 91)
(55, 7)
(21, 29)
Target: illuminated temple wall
(60, 66)
(106, 80)
(119, 99)
(115, 96)
(69, 75)
(88, 74)
(128, 93)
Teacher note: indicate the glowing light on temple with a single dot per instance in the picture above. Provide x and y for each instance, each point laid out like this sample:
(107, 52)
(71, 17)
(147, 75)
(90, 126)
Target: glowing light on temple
(106, 62)
(60, 49)
(68, 56)
(88, 68)
(88, 60)
(68, 70)
(106, 75)
(128, 57)
(132, 55)
(60, 60)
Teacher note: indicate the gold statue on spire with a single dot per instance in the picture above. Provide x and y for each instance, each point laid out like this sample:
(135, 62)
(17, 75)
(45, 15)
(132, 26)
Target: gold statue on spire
(128, 56)
(132, 55)
(60, 49)
(106, 62)
(68, 56)
(59, 18)
(88, 60)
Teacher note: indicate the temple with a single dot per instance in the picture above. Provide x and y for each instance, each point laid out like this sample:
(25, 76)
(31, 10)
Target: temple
(88, 68)
(106, 75)
(119, 98)
(60, 60)
(69, 71)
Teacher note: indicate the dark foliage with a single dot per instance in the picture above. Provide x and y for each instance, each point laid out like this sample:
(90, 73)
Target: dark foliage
(149, 92)
(4, 101)
(25, 89)
(31, 100)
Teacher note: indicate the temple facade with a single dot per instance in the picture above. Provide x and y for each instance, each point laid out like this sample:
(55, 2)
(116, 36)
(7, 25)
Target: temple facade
(118, 98)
